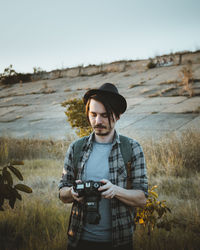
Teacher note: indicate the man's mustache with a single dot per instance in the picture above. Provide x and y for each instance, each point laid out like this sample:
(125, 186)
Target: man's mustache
(99, 126)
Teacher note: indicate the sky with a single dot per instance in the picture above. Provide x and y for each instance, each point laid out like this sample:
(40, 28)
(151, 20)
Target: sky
(57, 34)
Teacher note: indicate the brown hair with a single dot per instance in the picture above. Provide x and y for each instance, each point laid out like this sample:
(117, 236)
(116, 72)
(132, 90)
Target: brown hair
(110, 106)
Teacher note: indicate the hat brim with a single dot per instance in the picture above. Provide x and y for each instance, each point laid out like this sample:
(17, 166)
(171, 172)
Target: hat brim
(119, 98)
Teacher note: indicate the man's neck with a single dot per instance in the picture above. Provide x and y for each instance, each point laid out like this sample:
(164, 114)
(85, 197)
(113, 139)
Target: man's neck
(105, 139)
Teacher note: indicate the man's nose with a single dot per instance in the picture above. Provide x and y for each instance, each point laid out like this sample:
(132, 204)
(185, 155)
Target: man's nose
(98, 119)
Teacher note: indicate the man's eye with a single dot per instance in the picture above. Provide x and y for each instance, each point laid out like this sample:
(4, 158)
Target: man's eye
(93, 115)
(104, 116)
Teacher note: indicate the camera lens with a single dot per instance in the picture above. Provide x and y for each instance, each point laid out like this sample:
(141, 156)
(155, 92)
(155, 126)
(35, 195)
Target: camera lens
(96, 185)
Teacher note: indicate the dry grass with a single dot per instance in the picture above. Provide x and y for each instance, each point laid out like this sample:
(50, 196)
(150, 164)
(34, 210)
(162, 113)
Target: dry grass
(45, 89)
(186, 75)
(40, 220)
(163, 92)
(174, 155)
(173, 165)
(169, 82)
(21, 149)
(134, 85)
(154, 95)
(67, 90)
(195, 111)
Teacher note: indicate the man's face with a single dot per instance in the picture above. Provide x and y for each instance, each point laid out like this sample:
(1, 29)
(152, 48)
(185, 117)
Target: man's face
(99, 120)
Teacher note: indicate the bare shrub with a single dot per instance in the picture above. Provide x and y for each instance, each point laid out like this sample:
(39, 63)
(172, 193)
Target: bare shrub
(151, 64)
(186, 75)
(10, 76)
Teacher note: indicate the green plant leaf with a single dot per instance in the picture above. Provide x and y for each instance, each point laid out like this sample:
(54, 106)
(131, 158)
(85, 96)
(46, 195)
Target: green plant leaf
(1, 200)
(7, 176)
(16, 163)
(12, 201)
(23, 188)
(154, 194)
(168, 209)
(5, 190)
(1, 178)
(17, 195)
(16, 172)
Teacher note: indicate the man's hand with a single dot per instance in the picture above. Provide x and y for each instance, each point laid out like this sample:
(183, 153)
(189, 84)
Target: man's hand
(75, 194)
(131, 197)
(108, 189)
(68, 195)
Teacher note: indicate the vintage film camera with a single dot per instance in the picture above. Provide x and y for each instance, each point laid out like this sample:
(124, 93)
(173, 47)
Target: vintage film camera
(89, 190)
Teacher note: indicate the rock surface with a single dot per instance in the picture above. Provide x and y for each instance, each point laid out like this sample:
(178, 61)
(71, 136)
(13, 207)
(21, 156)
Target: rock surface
(157, 104)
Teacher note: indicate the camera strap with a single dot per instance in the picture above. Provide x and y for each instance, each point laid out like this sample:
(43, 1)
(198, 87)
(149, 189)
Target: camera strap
(78, 146)
(126, 151)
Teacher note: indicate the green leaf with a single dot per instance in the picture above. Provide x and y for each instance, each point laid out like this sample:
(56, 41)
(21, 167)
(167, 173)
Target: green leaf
(17, 163)
(16, 172)
(169, 210)
(23, 188)
(12, 201)
(17, 195)
(5, 190)
(7, 176)
(154, 194)
(1, 178)
(1, 200)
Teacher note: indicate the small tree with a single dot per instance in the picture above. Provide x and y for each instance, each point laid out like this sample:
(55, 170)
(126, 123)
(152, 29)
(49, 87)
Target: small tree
(151, 64)
(9, 71)
(37, 70)
(77, 117)
(9, 191)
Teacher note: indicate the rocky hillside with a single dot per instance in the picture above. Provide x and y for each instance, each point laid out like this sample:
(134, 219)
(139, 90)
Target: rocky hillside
(163, 96)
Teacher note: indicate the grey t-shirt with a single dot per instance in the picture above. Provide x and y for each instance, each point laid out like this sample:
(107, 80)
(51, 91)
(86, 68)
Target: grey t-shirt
(97, 168)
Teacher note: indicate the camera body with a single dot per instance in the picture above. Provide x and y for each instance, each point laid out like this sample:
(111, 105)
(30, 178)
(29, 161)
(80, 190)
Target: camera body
(89, 190)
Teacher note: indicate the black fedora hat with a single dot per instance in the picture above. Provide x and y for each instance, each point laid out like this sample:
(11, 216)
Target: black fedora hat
(111, 92)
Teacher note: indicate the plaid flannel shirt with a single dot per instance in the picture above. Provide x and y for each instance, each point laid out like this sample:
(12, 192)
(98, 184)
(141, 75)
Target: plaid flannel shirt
(122, 215)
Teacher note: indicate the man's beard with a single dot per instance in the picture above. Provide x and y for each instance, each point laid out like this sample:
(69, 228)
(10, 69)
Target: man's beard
(101, 133)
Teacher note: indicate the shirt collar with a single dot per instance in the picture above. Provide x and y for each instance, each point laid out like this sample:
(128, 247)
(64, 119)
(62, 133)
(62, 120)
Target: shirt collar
(91, 138)
(116, 138)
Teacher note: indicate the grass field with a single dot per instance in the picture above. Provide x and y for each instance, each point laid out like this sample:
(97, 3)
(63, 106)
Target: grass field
(40, 220)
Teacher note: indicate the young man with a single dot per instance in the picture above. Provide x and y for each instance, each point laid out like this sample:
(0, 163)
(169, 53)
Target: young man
(101, 160)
